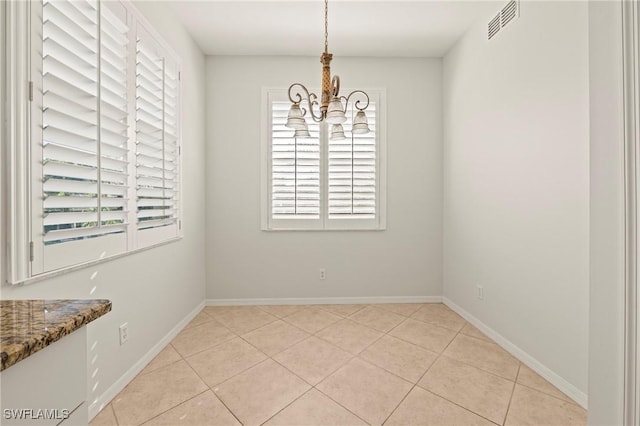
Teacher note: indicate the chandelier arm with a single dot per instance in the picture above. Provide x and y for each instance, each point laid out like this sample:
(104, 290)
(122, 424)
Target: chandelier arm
(335, 85)
(357, 103)
(296, 97)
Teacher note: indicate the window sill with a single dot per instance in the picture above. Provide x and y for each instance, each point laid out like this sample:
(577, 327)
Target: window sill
(84, 265)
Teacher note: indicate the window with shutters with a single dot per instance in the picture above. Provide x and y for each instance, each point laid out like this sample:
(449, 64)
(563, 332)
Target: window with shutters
(104, 154)
(316, 183)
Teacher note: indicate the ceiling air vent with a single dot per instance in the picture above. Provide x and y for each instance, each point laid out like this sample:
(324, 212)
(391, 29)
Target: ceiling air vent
(494, 26)
(506, 15)
(509, 12)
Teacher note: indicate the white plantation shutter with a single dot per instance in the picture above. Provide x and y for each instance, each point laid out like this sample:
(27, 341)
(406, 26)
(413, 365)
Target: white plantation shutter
(114, 120)
(157, 141)
(171, 166)
(149, 133)
(104, 133)
(319, 183)
(70, 153)
(295, 168)
(352, 171)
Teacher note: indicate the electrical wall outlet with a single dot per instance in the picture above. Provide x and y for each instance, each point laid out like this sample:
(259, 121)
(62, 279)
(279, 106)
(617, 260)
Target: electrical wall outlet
(480, 292)
(124, 333)
(323, 274)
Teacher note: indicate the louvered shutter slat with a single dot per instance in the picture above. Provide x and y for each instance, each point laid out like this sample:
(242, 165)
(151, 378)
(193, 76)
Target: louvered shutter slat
(70, 234)
(83, 31)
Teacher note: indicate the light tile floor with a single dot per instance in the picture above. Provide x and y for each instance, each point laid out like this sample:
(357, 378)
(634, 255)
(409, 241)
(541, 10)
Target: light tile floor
(392, 364)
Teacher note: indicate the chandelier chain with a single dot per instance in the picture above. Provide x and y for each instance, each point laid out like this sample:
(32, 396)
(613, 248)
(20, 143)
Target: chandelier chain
(326, 26)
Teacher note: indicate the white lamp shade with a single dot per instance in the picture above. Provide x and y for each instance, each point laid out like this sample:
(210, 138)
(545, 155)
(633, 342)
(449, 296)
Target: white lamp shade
(301, 134)
(335, 113)
(337, 132)
(296, 123)
(360, 124)
(295, 118)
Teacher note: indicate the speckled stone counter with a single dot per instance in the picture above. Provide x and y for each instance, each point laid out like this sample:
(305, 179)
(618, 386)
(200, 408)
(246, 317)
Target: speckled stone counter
(27, 326)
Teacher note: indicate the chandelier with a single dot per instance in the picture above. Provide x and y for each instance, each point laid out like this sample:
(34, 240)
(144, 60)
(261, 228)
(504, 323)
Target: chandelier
(332, 107)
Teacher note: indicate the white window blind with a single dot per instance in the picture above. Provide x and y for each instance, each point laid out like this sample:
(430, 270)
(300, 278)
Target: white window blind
(352, 170)
(157, 149)
(319, 183)
(114, 118)
(171, 167)
(149, 133)
(295, 168)
(105, 140)
(71, 156)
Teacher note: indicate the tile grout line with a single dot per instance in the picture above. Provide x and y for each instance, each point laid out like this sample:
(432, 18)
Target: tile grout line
(203, 381)
(175, 406)
(513, 390)
(417, 381)
(113, 410)
(212, 391)
(441, 354)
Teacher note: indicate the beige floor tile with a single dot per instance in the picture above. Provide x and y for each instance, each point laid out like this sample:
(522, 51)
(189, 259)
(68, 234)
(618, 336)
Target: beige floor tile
(530, 378)
(476, 390)
(204, 409)
(349, 335)
(281, 311)
(275, 337)
(151, 394)
(377, 318)
(222, 362)
(105, 417)
(366, 390)
(343, 310)
(314, 409)
(420, 333)
(404, 309)
(530, 407)
(201, 337)
(166, 356)
(439, 314)
(470, 330)
(244, 320)
(313, 359)
(399, 357)
(485, 355)
(421, 407)
(312, 320)
(201, 318)
(257, 394)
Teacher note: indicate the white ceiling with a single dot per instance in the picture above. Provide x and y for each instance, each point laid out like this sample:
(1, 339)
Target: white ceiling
(425, 28)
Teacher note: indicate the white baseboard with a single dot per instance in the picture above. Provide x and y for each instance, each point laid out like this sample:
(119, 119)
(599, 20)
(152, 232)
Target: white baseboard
(106, 397)
(553, 378)
(325, 300)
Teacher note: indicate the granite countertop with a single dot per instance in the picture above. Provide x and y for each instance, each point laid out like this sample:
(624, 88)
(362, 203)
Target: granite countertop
(27, 326)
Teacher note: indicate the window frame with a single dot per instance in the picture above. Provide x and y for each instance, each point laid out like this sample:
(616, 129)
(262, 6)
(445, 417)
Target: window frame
(25, 257)
(323, 223)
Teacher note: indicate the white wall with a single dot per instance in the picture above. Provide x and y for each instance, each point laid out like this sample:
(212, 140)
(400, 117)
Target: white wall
(607, 232)
(155, 289)
(516, 183)
(245, 262)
